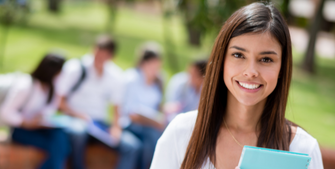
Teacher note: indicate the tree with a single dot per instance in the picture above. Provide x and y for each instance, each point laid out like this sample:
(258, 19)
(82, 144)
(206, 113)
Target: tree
(309, 60)
(203, 16)
(112, 8)
(10, 11)
(54, 5)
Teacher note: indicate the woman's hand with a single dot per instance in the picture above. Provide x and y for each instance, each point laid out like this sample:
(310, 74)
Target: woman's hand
(142, 120)
(33, 123)
(115, 132)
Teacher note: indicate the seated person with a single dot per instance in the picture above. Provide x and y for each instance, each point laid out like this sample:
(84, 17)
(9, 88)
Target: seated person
(29, 102)
(141, 104)
(87, 87)
(184, 89)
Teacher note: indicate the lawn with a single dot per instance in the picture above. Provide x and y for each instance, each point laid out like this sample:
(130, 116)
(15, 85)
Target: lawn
(311, 100)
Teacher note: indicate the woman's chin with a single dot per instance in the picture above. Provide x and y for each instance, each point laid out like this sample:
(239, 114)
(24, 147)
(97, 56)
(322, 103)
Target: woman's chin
(249, 101)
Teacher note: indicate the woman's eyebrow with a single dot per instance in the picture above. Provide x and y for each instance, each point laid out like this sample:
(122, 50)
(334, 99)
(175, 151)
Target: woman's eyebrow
(262, 53)
(268, 53)
(239, 48)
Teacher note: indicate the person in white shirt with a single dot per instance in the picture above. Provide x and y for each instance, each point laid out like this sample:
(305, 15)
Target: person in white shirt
(184, 89)
(29, 103)
(141, 106)
(87, 87)
(243, 99)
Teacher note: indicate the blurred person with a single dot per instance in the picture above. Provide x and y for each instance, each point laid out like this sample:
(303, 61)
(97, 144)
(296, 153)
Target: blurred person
(28, 104)
(142, 101)
(184, 89)
(243, 101)
(87, 87)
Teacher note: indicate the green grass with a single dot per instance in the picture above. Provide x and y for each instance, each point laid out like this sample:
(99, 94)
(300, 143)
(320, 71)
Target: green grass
(311, 100)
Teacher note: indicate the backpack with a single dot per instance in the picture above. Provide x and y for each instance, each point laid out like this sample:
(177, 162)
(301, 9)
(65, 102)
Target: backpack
(81, 79)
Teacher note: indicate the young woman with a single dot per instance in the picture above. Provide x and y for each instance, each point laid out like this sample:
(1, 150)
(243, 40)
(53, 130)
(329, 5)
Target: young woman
(142, 104)
(28, 104)
(243, 100)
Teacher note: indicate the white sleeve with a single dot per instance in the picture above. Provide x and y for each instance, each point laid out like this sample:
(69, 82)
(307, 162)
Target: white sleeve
(15, 99)
(316, 162)
(117, 91)
(166, 153)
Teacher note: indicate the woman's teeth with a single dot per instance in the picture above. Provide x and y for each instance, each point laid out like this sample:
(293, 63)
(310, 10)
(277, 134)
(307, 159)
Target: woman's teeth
(249, 86)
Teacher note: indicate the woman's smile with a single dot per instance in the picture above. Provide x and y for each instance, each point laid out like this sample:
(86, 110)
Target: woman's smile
(249, 87)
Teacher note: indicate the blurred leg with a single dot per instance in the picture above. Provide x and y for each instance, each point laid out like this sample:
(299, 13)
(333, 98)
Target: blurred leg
(78, 143)
(53, 141)
(58, 148)
(129, 149)
(148, 137)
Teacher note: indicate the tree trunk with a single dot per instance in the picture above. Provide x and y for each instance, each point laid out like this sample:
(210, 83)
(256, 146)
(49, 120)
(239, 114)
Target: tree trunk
(54, 5)
(286, 11)
(194, 36)
(3, 43)
(170, 48)
(309, 59)
(111, 5)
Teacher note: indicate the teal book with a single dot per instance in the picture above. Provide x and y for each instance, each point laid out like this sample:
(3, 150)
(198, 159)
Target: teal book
(264, 158)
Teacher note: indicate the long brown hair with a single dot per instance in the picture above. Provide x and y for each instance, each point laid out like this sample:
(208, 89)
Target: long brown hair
(275, 129)
(47, 70)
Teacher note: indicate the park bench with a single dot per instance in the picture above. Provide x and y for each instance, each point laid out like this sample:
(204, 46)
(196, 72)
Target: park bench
(15, 156)
(98, 156)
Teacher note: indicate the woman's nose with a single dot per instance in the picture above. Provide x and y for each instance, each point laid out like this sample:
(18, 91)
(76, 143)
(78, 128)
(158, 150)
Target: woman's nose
(251, 70)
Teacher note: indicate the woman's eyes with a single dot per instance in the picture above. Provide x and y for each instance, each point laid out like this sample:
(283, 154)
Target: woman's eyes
(237, 55)
(266, 60)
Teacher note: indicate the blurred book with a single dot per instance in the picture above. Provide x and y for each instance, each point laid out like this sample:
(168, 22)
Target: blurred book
(78, 125)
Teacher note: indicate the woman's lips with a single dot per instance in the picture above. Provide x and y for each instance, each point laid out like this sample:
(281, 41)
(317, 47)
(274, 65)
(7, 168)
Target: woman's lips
(249, 87)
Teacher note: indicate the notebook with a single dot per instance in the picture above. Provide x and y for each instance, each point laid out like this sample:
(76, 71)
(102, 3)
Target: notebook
(78, 125)
(264, 158)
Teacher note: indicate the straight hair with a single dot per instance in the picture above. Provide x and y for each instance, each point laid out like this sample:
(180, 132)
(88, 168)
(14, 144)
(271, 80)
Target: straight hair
(275, 129)
(46, 71)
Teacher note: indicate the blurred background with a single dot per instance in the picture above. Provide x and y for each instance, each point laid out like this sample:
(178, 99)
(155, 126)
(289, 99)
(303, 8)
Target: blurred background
(186, 29)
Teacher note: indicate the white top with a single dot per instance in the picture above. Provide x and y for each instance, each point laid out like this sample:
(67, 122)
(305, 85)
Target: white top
(25, 100)
(172, 145)
(95, 93)
(140, 98)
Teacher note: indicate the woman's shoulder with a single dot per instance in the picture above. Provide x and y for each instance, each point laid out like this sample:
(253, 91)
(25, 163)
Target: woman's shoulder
(172, 145)
(180, 129)
(184, 122)
(303, 142)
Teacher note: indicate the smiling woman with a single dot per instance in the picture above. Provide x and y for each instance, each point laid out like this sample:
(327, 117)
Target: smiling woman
(251, 70)
(243, 100)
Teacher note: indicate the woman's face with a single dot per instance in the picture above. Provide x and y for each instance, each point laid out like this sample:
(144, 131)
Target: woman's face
(152, 68)
(251, 67)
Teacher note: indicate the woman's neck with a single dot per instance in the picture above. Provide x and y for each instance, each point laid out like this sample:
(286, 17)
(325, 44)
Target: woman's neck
(243, 118)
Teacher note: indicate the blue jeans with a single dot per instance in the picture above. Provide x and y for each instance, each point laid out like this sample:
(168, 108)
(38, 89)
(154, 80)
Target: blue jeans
(149, 137)
(54, 142)
(129, 148)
